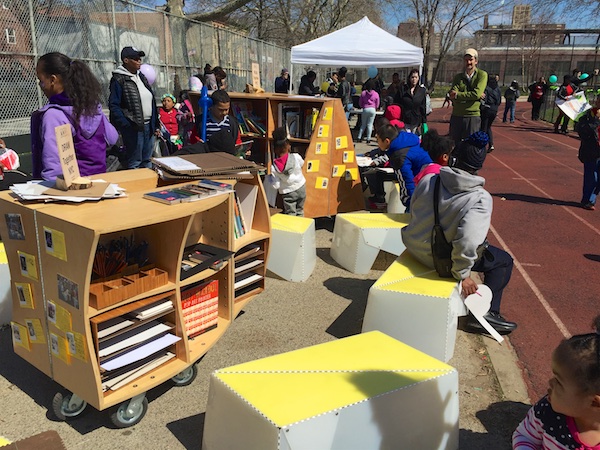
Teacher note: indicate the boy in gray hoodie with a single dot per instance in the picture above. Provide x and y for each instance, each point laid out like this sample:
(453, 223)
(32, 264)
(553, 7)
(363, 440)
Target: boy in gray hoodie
(465, 211)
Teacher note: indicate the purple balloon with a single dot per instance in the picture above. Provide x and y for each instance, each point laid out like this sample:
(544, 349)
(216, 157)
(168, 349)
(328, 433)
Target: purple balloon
(148, 72)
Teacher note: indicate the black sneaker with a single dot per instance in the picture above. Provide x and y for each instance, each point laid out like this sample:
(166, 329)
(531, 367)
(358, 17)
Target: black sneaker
(495, 319)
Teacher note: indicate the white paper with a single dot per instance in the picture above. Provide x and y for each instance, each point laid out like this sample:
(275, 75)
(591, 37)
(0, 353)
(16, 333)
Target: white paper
(574, 106)
(251, 264)
(479, 304)
(117, 382)
(246, 280)
(152, 310)
(247, 196)
(363, 161)
(33, 190)
(112, 326)
(132, 337)
(176, 164)
(140, 352)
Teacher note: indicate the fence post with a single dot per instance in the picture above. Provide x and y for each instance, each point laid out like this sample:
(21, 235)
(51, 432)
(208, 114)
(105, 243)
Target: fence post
(34, 50)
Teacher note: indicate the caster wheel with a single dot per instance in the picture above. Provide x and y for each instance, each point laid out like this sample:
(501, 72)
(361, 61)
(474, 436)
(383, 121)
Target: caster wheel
(130, 412)
(186, 377)
(66, 405)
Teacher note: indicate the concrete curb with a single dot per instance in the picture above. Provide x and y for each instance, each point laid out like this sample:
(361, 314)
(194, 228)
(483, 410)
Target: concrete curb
(507, 369)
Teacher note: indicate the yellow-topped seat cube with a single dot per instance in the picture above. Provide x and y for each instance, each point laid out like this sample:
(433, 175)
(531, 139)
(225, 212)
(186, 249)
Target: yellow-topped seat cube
(358, 238)
(293, 251)
(411, 303)
(368, 391)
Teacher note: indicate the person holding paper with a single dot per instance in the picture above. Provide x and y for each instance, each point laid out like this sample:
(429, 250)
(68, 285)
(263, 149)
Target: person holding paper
(73, 94)
(465, 212)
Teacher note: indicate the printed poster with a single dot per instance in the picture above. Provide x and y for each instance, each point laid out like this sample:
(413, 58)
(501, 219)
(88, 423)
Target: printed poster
(341, 142)
(15, 226)
(68, 291)
(312, 165)
(76, 345)
(338, 170)
(20, 336)
(348, 157)
(321, 148)
(323, 131)
(28, 265)
(25, 295)
(321, 183)
(55, 243)
(60, 317)
(35, 331)
(574, 106)
(327, 113)
(58, 347)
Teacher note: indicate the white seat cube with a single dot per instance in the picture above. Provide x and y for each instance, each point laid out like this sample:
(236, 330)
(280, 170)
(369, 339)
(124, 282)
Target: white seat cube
(293, 251)
(392, 197)
(5, 286)
(411, 303)
(358, 238)
(367, 391)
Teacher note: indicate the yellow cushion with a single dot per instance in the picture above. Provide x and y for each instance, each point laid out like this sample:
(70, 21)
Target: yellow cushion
(377, 220)
(295, 224)
(304, 383)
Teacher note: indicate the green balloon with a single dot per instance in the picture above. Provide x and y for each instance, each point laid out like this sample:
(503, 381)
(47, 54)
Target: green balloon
(553, 79)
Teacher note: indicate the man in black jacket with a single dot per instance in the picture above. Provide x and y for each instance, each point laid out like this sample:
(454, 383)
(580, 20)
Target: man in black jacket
(133, 109)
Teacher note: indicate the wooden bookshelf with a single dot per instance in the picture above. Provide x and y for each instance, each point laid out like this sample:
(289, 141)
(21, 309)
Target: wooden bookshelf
(77, 230)
(332, 177)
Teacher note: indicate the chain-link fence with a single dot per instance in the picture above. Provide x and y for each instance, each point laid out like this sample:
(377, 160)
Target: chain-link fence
(94, 31)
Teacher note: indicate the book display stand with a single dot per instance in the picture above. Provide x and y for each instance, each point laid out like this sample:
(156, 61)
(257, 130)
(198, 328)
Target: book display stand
(108, 341)
(319, 132)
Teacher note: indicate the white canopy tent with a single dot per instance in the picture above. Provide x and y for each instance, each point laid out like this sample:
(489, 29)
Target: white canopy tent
(362, 44)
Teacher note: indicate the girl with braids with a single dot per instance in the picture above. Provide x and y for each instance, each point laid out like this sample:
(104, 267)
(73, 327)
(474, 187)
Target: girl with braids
(569, 416)
(287, 172)
(73, 97)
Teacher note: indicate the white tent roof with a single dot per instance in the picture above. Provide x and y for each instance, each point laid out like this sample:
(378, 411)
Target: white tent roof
(361, 44)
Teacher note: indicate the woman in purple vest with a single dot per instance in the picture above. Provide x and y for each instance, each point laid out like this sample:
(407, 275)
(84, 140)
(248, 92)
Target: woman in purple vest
(73, 98)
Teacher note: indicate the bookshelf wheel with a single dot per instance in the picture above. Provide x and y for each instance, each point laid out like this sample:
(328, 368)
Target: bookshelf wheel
(66, 405)
(130, 413)
(186, 376)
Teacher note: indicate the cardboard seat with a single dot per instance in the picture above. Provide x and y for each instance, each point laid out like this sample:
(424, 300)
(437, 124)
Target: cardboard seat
(411, 303)
(293, 251)
(358, 238)
(367, 391)
(392, 197)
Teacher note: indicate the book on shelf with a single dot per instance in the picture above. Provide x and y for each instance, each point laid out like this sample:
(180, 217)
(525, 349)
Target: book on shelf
(310, 119)
(238, 225)
(249, 122)
(140, 352)
(199, 257)
(246, 279)
(117, 380)
(200, 307)
(293, 124)
(136, 336)
(189, 192)
(247, 195)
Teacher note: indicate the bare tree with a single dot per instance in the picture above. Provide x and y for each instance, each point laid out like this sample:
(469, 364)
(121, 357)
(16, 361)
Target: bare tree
(442, 20)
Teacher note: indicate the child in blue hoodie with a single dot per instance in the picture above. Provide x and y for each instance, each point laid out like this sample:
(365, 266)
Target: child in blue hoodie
(406, 157)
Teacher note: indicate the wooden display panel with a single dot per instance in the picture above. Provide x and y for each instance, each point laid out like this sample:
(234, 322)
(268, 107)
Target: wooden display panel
(64, 270)
(335, 185)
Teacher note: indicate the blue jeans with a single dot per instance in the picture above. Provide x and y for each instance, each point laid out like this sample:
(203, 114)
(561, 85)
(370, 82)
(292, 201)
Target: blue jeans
(510, 106)
(496, 266)
(368, 117)
(591, 185)
(138, 146)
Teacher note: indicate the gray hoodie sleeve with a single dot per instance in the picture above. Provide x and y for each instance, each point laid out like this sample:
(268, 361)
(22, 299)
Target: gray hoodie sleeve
(470, 234)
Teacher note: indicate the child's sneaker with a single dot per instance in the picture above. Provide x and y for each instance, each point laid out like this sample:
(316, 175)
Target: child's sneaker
(377, 203)
(589, 206)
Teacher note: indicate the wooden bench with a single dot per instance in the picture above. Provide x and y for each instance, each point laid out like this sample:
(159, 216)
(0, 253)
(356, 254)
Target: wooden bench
(411, 303)
(367, 391)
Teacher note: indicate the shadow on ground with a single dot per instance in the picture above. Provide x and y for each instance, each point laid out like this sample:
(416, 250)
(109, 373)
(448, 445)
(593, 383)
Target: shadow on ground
(500, 420)
(349, 322)
(534, 199)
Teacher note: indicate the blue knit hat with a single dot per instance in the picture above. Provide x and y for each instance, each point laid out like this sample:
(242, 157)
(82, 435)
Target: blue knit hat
(470, 153)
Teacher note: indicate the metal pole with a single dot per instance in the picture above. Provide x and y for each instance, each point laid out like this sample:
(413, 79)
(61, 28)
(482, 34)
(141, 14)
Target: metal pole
(114, 25)
(34, 50)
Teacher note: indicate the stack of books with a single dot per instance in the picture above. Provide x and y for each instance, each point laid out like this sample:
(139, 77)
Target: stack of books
(250, 124)
(189, 192)
(298, 121)
(200, 307)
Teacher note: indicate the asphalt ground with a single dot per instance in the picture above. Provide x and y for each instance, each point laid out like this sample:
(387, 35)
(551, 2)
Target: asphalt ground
(329, 305)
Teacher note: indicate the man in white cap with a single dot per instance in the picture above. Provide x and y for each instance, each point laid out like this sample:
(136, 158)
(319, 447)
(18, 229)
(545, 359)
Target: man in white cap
(466, 92)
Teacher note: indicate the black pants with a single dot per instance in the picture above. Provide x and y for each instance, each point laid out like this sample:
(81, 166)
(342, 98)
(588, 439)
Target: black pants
(536, 105)
(496, 266)
(565, 121)
(487, 117)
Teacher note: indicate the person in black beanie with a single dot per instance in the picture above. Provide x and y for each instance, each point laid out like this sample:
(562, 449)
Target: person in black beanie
(465, 212)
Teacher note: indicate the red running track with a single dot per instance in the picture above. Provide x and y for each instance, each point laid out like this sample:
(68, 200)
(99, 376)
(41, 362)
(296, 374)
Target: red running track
(536, 179)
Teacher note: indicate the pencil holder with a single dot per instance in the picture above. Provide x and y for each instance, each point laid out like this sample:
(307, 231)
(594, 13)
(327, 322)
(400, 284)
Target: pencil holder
(110, 292)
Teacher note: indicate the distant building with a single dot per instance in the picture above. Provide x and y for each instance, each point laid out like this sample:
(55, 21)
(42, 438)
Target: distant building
(521, 51)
